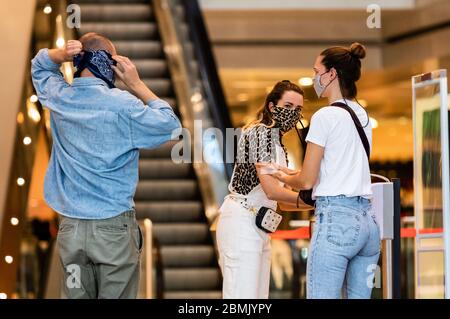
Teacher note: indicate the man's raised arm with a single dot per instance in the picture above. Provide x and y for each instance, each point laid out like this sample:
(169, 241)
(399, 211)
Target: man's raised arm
(45, 70)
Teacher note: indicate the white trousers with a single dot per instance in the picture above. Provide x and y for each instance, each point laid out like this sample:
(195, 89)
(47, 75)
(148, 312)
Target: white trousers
(244, 253)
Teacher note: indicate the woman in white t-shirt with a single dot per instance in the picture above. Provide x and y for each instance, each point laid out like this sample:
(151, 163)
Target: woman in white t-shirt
(345, 245)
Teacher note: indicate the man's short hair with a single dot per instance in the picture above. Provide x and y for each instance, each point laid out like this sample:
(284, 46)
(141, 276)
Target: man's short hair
(93, 41)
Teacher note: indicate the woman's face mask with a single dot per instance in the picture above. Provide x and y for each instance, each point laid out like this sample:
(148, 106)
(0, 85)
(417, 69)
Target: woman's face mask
(285, 118)
(318, 87)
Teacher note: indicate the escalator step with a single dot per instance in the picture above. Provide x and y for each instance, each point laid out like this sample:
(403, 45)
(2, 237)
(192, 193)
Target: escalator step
(122, 31)
(167, 190)
(152, 68)
(170, 211)
(140, 49)
(164, 169)
(206, 294)
(116, 12)
(161, 87)
(182, 233)
(188, 256)
(163, 151)
(192, 279)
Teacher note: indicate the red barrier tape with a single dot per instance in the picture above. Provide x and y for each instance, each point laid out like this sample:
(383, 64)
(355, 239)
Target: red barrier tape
(303, 233)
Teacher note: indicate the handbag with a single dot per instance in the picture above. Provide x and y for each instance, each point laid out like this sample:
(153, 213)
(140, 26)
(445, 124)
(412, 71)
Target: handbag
(267, 219)
(306, 195)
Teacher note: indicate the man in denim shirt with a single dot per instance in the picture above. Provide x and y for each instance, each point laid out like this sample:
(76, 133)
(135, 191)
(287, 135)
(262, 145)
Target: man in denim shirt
(93, 170)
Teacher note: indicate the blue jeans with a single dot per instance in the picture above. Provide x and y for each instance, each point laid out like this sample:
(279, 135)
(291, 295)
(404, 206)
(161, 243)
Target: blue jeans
(344, 249)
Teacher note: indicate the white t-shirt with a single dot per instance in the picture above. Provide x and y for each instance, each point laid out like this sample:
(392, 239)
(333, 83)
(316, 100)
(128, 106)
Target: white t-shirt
(344, 169)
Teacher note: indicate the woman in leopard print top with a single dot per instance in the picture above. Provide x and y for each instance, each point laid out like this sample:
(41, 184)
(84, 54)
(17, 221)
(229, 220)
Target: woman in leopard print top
(244, 249)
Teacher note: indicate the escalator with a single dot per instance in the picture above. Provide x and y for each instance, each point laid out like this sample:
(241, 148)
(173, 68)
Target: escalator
(168, 193)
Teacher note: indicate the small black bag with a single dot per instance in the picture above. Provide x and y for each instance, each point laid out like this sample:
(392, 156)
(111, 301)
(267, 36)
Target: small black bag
(267, 219)
(306, 197)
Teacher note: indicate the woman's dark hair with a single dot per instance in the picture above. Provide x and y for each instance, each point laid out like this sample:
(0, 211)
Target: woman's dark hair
(264, 115)
(347, 63)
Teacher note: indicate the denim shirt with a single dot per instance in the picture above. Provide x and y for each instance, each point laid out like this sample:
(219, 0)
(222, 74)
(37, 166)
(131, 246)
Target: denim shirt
(97, 133)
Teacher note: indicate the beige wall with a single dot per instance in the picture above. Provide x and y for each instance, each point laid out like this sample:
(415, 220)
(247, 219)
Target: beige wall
(16, 20)
(286, 39)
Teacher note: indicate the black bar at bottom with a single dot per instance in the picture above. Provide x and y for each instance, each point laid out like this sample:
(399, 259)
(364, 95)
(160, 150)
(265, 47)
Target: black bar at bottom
(396, 243)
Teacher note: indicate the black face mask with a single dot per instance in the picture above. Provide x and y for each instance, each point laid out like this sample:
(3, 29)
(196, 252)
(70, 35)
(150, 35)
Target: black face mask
(98, 62)
(285, 118)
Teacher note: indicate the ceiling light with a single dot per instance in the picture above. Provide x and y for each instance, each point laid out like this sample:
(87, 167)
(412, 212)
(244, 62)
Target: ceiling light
(20, 181)
(60, 43)
(27, 140)
(47, 9)
(20, 118)
(14, 221)
(33, 98)
(305, 81)
(33, 113)
(9, 259)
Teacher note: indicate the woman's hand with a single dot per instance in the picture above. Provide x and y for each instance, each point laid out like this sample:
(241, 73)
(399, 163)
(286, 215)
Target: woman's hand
(277, 171)
(281, 176)
(288, 171)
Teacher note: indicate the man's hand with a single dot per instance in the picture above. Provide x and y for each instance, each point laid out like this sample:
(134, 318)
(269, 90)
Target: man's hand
(126, 71)
(72, 48)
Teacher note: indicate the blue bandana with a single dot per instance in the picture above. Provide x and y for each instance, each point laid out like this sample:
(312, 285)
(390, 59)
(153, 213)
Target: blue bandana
(98, 62)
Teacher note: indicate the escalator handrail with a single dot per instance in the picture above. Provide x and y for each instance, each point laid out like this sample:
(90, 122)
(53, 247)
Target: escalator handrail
(208, 70)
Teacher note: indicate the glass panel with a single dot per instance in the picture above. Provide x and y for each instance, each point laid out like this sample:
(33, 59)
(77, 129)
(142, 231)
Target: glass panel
(428, 155)
(429, 165)
(431, 243)
(431, 275)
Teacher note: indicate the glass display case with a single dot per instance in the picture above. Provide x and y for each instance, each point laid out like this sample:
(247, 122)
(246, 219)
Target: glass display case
(431, 184)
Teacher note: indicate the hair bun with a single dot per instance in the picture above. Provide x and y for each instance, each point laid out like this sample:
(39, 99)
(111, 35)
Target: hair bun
(358, 50)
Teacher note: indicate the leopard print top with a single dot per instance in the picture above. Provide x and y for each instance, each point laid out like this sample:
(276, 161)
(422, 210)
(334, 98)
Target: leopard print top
(257, 144)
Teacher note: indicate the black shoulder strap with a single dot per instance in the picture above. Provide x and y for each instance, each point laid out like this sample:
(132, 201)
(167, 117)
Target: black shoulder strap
(358, 125)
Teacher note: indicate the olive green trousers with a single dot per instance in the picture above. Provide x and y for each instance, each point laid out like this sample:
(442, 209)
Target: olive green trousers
(101, 258)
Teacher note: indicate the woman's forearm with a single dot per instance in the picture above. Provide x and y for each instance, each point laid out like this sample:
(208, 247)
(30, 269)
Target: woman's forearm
(293, 208)
(296, 181)
(281, 194)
